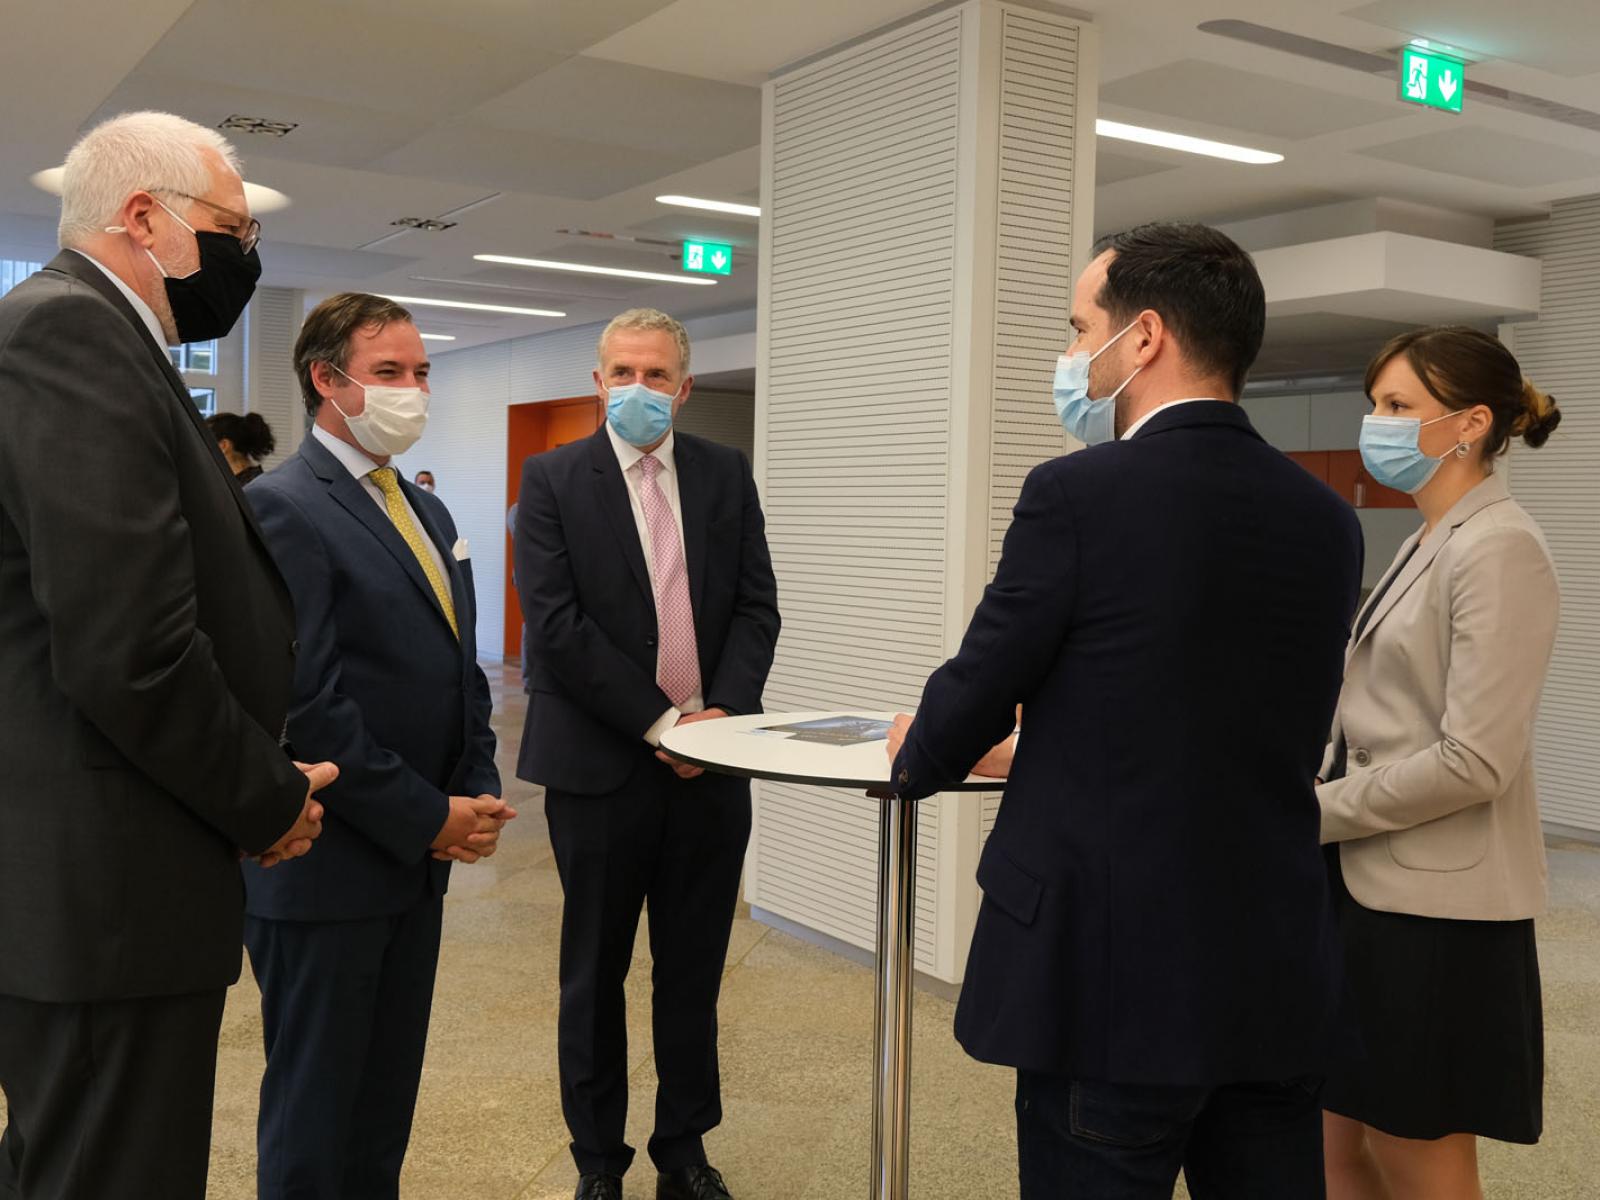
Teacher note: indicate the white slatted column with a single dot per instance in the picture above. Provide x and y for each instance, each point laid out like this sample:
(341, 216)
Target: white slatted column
(270, 385)
(1559, 485)
(927, 199)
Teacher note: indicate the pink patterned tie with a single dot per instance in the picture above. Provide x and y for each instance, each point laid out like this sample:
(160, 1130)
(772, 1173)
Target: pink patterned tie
(678, 669)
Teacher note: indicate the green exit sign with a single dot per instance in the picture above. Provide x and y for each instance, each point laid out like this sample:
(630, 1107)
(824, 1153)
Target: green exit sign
(708, 258)
(1432, 80)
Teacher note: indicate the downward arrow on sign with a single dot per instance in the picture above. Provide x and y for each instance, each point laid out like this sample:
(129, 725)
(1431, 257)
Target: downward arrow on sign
(1447, 86)
(718, 259)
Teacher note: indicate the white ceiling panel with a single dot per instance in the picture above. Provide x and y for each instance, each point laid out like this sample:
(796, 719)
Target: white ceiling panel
(1112, 166)
(1559, 36)
(342, 55)
(562, 28)
(331, 134)
(1489, 156)
(640, 108)
(543, 164)
(1196, 90)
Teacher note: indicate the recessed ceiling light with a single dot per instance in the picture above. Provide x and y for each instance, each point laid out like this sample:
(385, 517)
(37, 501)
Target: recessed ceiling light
(260, 199)
(495, 308)
(438, 337)
(721, 206)
(1180, 141)
(545, 264)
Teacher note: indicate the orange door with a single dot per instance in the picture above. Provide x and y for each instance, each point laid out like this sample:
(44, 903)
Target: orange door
(533, 429)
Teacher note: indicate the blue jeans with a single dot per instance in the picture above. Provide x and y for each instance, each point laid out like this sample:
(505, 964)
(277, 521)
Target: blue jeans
(1079, 1140)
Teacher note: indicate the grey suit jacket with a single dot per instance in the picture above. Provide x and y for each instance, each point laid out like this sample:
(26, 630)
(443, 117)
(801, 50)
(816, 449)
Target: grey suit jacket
(146, 651)
(1439, 813)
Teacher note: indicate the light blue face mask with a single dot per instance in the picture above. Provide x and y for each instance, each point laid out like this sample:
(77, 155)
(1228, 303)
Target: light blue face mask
(1090, 421)
(640, 416)
(1390, 449)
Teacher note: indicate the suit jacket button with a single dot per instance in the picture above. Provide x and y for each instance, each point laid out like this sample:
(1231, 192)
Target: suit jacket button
(1363, 758)
(905, 777)
(294, 646)
(650, 641)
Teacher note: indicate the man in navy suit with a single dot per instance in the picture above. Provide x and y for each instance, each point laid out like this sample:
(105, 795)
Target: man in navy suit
(642, 566)
(387, 685)
(1155, 951)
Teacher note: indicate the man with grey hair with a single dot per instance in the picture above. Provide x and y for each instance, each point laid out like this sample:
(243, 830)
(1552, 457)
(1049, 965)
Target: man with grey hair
(642, 566)
(147, 642)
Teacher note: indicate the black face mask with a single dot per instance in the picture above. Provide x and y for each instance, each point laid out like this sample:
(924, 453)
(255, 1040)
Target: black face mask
(205, 305)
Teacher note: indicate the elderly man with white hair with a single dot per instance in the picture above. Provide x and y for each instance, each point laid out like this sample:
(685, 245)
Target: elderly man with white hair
(146, 651)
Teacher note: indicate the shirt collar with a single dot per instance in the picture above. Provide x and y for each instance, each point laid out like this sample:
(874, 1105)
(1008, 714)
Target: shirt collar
(628, 455)
(353, 460)
(1144, 420)
(146, 313)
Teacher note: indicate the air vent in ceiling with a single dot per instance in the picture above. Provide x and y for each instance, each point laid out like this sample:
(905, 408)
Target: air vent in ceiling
(1388, 64)
(258, 125)
(425, 224)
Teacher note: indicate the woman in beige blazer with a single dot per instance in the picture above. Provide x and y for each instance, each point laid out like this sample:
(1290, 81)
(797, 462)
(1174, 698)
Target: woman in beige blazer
(1430, 792)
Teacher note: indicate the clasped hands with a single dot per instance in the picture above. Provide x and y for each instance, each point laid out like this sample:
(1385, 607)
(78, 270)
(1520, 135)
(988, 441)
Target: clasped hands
(472, 830)
(682, 769)
(308, 826)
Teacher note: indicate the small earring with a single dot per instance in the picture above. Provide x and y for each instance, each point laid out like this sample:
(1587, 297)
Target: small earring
(1464, 449)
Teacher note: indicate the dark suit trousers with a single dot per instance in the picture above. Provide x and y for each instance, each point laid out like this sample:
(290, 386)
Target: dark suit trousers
(676, 847)
(344, 1006)
(108, 1100)
(1080, 1140)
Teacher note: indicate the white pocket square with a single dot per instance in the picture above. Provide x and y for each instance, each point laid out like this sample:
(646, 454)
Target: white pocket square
(460, 551)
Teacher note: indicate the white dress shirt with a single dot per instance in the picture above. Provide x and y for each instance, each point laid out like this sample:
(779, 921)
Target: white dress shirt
(1140, 423)
(628, 457)
(359, 465)
(146, 313)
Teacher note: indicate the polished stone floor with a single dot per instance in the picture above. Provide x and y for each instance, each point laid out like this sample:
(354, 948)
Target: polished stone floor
(796, 1025)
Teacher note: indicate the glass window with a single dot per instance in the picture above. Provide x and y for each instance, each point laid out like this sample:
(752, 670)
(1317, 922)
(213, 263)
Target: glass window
(205, 399)
(13, 271)
(199, 357)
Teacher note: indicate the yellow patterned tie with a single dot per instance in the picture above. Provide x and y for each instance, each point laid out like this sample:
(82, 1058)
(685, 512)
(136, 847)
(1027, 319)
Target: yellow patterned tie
(389, 485)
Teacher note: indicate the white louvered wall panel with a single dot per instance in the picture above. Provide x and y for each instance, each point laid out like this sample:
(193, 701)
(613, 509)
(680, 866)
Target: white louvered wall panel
(862, 228)
(1034, 261)
(920, 252)
(271, 388)
(1560, 486)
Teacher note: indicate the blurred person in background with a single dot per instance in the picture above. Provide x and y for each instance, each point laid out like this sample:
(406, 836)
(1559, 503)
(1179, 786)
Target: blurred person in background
(244, 441)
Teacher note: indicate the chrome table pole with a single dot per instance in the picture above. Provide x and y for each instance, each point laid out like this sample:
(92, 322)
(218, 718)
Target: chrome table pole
(891, 1084)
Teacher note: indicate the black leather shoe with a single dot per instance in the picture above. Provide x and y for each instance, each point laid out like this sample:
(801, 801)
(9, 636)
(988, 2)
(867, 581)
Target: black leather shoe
(692, 1183)
(599, 1187)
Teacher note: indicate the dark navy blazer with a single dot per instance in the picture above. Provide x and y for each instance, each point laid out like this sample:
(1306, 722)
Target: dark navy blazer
(591, 615)
(382, 688)
(1172, 612)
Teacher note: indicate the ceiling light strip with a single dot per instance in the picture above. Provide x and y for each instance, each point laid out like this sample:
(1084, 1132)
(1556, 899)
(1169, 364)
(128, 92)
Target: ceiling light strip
(719, 206)
(423, 302)
(546, 264)
(1180, 141)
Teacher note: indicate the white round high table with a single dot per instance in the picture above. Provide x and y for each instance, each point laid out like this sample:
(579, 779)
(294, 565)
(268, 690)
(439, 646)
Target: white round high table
(746, 746)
